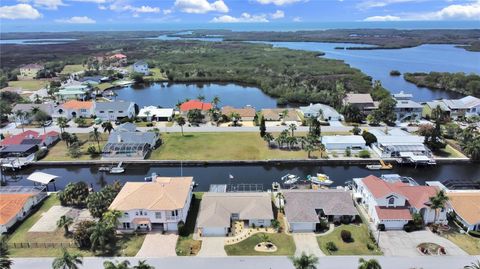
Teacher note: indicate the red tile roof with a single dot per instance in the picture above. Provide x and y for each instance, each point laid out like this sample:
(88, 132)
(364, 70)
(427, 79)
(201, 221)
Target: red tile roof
(195, 104)
(118, 56)
(393, 213)
(18, 138)
(74, 104)
(11, 204)
(379, 188)
(49, 134)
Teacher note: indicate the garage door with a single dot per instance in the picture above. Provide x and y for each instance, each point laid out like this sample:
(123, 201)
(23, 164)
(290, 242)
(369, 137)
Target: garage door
(213, 231)
(302, 226)
(394, 225)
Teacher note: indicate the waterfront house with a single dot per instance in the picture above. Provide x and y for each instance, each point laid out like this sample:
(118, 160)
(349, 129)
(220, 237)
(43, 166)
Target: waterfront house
(277, 114)
(406, 109)
(74, 108)
(141, 67)
(218, 211)
(396, 143)
(91, 80)
(194, 104)
(320, 111)
(30, 70)
(305, 208)
(153, 113)
(466, 205)
(390, 205)
(125, 142)
(342, 142)
(246, 113)
(456, 108)
(74, 92)
(118, 59)
(362, 101)
(111, 111)
(157, 205)
(16, 203)
(472, 106)
(429, 107)
(30, 137)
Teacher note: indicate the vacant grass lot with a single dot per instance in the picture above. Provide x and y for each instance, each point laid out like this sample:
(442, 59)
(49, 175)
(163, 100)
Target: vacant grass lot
(284, 243)
(72, 68)
(32, 84)
(155, 75)
(361, 238)
(220, 146)
(186, 245)
(59, 152)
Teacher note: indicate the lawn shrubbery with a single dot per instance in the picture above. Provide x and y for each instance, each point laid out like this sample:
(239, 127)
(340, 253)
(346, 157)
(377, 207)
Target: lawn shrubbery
(346, 236)
(364, 154)
(331, 246)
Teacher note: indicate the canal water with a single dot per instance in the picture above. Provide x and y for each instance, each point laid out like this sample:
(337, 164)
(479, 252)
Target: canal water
(250, 174)
(168, 95)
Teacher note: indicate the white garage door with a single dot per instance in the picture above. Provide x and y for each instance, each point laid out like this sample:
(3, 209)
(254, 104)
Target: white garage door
(394, 225)
(302, 227)
(213, 231)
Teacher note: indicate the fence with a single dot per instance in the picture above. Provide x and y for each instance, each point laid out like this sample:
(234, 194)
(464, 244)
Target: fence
(42, 245)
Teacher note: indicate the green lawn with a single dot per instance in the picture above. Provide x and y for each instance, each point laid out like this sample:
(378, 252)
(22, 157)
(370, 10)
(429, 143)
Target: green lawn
(361, 238)
(284, 243)
(186, 245)
(449, 152)
(155, 75)
(32, 84)
(72, 68)
(59, 152)
(104, 86)
(220, 146)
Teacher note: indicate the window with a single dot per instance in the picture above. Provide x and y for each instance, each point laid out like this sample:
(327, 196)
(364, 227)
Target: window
(83, 110)
(110, 111)
(126, 225)
(120, 111)
(174, 213)
(391, 201)
(101, 111)
(158, 215)
(125, 214)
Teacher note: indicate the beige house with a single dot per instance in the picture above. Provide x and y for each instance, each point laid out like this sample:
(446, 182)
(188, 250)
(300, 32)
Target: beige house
(246, 113)
(362, 101)
(219, 210)
(276, 114)
(157, 205)
(30, 70)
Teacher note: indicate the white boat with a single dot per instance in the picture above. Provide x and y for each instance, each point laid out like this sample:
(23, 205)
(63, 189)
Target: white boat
(117, 169)
(320, 179)
(275, 186)
(290, 179)
(374, 166)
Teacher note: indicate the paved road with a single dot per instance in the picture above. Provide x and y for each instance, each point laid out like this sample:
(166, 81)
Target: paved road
(333, 262)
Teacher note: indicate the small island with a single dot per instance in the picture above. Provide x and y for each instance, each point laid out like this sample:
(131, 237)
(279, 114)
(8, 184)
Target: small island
(395, 73)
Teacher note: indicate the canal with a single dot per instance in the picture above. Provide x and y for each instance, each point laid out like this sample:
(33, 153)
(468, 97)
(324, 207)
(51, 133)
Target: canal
(258, 174)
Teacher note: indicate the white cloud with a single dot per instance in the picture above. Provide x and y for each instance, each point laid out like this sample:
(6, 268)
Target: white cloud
(201, 6)
(47, 4)
(146, 9)
(383, 18)
(297, 19)
(278, 14)
(77, 20)
(121, 6)
(381, 3)
(19, 11)
(167, 11)
(93, 1)
(277, 2)
(245, 17)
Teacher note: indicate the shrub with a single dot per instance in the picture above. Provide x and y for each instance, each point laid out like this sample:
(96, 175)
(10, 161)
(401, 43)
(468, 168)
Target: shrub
(474, 233)
(331, 246)
(82, 233)
(369, 138)
(346, 236)
(364, 154)
(149, 124)
(370, 246)
(348, 152)
(74, 194)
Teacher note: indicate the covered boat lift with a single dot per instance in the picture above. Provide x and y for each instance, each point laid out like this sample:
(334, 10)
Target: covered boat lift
(42, 178)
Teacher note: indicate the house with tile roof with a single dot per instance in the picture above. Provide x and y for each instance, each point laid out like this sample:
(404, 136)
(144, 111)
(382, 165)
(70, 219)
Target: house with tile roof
(157, 205)
(118, 59)
(466, 205)
(246, 114)
(304, 209)
(219, 210)
(74, 109)
(362, 101)
(390, 205)
(16, 202)
(194, 104)
(30, 137)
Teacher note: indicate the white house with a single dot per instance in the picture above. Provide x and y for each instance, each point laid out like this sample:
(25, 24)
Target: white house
(153, 113)
(321, 111)
(390, 205)
(472, 106)
(342, 142)
(305, 208)
(16, 203)
(157, 205)
(111, 111)
(74, 108)
(141, 67)
(219, 210)
(406, 108)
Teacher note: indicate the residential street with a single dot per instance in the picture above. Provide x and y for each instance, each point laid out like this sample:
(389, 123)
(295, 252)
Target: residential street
(335, 262)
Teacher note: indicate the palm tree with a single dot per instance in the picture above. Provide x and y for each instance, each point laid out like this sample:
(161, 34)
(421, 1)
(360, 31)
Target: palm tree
(309, 147)
(101, 236)
(369, 264)
(473, 265)
(35, 110)
(95, 136)
(215, 101)
(67, 261)
(143, 265)
(62, 123)
(264, 238)
(268, 137)
(64, 222)
(107, 127)
(201, 98)
(235, 117)
(304, 261)
(292, 127)
(279, 196)
(120, 265)
(111, 217)
(19, 115)
(472, 148)
(321, 149)
(284, 115)
(5, 262)
(438, 202)
(180, 121)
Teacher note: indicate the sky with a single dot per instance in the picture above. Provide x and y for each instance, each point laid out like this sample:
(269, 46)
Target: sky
(88, 12)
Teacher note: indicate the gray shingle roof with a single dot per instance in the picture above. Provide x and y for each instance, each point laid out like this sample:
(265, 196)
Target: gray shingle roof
(115, 106)
(131, 137)
(302, 206)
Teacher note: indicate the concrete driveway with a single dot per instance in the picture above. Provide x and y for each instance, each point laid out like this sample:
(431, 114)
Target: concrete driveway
(158, 245)
(212, 247)
(306, 242)
(401, 243)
